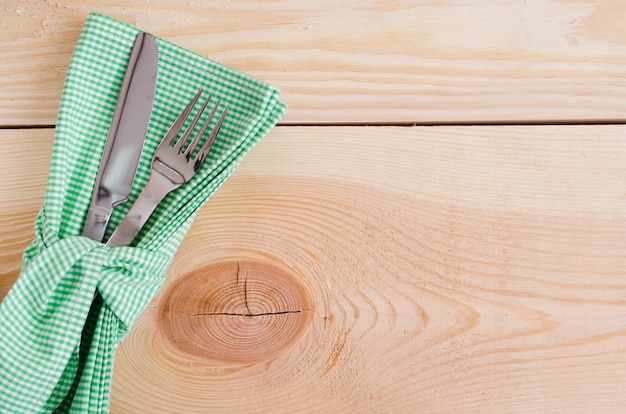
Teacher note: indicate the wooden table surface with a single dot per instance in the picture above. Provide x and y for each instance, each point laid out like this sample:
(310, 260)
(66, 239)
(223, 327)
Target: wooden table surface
(437, 225)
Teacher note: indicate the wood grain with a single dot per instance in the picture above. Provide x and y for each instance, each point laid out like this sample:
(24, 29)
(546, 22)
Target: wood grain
(355, 61)
(444, 269)
(24, 161)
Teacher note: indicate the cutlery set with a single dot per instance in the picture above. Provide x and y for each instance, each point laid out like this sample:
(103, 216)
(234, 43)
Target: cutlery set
(74, 302)
(173, 164)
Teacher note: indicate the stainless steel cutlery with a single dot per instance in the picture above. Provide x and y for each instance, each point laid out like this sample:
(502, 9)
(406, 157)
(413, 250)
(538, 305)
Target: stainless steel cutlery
(126, 136)
(174, 163)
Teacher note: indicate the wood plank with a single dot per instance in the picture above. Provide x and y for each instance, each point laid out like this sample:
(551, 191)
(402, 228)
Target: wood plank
(354, 61)
(24, 164)
(383, 269)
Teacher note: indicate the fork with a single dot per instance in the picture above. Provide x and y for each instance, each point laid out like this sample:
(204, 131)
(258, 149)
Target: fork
(173, 165)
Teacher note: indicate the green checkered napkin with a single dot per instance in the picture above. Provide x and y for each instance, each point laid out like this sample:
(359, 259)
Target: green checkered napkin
(57, 342)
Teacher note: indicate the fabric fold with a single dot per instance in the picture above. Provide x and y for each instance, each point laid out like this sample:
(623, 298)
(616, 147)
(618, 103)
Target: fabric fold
(43, 316)
(75, 299)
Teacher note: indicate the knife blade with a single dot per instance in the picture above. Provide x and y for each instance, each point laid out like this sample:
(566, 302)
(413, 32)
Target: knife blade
(124, 142)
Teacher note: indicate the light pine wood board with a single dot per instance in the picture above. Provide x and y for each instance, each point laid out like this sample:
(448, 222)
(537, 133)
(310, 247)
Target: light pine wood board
(354, 61)
(381, 269)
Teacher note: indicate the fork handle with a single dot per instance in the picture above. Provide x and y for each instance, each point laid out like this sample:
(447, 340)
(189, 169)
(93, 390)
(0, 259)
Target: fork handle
(157, 188)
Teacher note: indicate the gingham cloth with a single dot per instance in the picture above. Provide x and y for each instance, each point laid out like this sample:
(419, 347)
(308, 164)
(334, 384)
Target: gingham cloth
(56, 354)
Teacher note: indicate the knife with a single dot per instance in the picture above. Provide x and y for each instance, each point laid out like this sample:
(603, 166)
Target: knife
(124, 143)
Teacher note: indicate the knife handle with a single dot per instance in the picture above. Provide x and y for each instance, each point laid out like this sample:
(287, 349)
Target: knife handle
(97, 220)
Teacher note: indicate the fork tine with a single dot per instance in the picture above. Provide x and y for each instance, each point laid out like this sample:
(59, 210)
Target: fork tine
(177, 125)
(192, 125)
(209, 142)
(191, 148)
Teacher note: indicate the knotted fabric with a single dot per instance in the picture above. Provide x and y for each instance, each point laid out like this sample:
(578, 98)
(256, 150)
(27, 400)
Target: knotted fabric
(75, 298)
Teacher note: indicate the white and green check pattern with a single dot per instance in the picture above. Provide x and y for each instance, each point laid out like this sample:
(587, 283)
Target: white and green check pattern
(57, 342)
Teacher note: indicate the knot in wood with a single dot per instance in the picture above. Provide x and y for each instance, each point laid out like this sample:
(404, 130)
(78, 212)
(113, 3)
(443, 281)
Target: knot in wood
(236, 311)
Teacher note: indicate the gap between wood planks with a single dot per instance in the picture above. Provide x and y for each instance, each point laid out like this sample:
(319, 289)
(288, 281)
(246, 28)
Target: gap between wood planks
(405, 124)
(452, 123)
